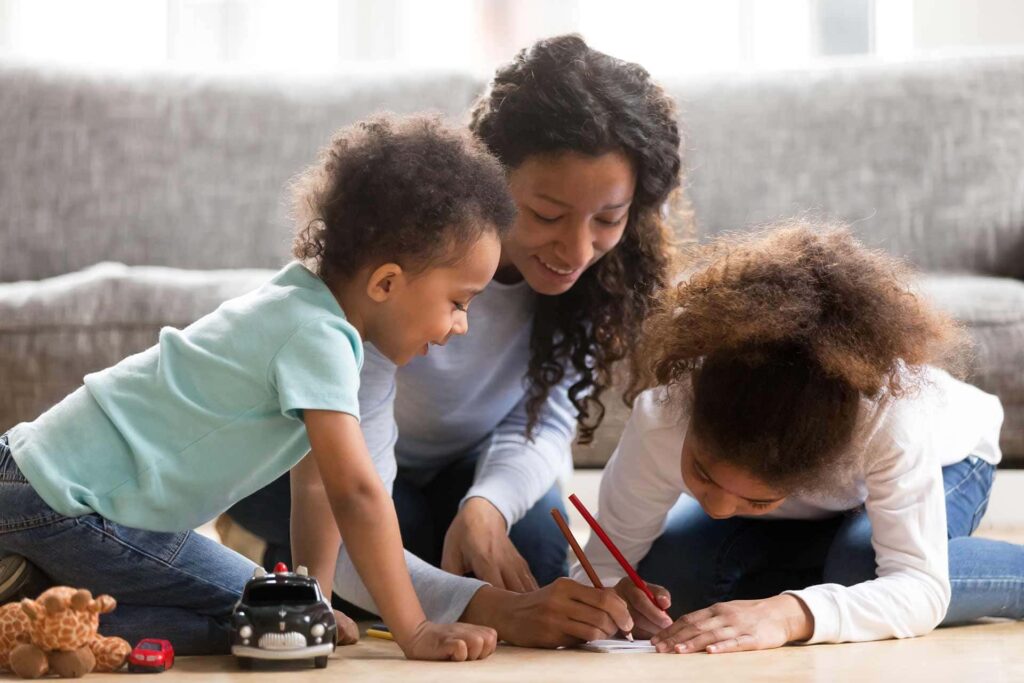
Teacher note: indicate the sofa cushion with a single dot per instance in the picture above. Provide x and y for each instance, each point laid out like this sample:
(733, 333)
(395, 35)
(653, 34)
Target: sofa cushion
(55, 331)
(992, 309)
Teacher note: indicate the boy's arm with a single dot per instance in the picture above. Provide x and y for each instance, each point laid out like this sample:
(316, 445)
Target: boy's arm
(365, 517)
(315, 536)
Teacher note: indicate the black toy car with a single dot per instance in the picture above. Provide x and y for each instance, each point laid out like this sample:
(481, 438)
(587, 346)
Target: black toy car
(283, 615)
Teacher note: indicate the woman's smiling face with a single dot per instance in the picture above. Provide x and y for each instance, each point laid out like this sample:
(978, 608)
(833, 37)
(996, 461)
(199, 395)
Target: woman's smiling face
(573, 209)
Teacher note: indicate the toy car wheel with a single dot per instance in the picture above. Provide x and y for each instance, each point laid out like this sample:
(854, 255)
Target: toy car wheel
(244, 662)
(320, 662)
(132, 668)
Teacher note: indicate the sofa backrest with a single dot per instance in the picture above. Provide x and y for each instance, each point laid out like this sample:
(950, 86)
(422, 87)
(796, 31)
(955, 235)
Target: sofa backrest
(927, 159)
(171, 170)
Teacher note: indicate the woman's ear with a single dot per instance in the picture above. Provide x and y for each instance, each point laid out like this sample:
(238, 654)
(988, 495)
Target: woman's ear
(384, 282)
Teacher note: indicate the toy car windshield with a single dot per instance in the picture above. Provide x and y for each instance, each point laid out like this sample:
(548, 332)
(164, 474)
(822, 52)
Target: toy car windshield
(280, 594)
(150, 646)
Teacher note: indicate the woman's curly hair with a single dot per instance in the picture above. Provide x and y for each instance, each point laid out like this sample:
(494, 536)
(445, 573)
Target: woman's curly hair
(410, 190)
(778, 334)
(559, 95)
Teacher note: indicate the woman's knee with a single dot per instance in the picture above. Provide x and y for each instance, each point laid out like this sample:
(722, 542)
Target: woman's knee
(539, 541)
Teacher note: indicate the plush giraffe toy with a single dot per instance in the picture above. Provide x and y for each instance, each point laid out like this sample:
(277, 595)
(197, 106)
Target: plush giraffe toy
(57, 632)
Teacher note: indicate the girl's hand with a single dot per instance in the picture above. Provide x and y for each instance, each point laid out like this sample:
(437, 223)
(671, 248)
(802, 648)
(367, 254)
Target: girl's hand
(348, 632)
(477, 541)
(454, 642)
(738, 625)
(648, 618)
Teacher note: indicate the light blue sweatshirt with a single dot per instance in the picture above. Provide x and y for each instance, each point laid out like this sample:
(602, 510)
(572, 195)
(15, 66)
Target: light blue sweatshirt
(467, 396)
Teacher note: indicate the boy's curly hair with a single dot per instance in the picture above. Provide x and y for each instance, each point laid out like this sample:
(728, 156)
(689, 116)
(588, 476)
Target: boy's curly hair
(560, 95)
(778, 334)
(409, 190)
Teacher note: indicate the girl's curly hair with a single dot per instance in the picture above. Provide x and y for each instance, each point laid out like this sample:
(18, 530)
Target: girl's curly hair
(778, 334)
(410, 190)
(559, 95)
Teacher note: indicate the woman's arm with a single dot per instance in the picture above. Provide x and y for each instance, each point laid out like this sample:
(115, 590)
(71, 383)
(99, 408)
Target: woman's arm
(512, 475)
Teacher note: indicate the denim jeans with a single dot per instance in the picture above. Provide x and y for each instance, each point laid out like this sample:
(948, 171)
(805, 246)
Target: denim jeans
(425, 511)
(702, 561)
(177, 586)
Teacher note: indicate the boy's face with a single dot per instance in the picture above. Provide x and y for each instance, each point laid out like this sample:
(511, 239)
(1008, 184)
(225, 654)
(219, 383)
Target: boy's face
(430, 306)
(573, 210)
(724, 490)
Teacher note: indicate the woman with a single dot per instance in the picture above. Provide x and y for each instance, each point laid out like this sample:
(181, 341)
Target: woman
(476, 434)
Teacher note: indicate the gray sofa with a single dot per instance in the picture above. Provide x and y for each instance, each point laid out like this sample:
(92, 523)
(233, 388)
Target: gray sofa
(132, 202)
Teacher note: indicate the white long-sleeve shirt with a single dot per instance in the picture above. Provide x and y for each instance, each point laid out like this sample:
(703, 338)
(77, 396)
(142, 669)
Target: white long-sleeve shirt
(903, 446)
(467, 396)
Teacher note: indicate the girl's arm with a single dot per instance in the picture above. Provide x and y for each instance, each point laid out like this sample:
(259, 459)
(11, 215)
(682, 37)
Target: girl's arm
(368, 524)
(907, 510)
(640, 484)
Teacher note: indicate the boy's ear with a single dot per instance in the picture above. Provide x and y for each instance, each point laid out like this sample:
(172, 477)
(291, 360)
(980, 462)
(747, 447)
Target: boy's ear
(384, 281)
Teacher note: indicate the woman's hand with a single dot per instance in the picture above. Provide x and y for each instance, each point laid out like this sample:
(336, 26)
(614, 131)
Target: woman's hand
(454, 642)
(348, 632)
(739, 625)
(477, 541)
(648, 618)
(561, 613)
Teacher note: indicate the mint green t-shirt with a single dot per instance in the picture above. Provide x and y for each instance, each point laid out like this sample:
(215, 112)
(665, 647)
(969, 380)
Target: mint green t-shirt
(169, 438)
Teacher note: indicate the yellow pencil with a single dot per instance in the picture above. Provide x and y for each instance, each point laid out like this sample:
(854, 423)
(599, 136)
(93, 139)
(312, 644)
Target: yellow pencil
(377, 633)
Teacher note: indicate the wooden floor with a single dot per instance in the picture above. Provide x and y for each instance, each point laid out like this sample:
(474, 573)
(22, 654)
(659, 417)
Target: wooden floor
(991, 652)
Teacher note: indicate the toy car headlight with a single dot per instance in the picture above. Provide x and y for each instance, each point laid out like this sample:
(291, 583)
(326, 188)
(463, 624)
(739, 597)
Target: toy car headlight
(245, 631)
(317, 630)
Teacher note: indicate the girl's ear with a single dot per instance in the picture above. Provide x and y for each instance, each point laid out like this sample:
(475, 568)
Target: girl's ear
(384, 282)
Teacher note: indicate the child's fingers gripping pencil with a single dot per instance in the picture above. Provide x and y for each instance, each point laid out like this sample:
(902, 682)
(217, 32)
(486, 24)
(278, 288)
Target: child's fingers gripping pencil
(630, 572)
(580, 555)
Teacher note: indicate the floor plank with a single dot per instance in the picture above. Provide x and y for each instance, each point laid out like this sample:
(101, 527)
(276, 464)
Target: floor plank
(993, 652)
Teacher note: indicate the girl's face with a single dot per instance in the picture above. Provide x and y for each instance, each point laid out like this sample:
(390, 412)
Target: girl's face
(573, 209)
(429, 307)
(724, 490)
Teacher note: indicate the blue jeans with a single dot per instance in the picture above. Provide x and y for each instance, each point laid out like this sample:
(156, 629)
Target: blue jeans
(177, 586)
(425, 511)
(702, 561)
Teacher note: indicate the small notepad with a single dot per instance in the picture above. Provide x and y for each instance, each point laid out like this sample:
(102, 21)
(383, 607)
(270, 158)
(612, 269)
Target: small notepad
(618, 646)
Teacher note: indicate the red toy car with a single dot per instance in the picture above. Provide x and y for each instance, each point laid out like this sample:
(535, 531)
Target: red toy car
(151, 655)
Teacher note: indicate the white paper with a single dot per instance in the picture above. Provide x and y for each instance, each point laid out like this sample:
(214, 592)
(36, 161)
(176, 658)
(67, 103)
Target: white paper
(619, 646)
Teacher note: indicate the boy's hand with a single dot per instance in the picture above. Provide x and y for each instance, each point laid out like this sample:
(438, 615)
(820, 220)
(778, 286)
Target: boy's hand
(348, 632)
(648, 618)
(454, 642)
(477, 541)
(739, 625)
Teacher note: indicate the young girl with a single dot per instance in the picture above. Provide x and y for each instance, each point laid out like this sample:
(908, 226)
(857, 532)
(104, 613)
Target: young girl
(798, 469)
(400, 225)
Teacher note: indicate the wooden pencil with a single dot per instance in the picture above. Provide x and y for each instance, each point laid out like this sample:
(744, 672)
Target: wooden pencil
(580, 555)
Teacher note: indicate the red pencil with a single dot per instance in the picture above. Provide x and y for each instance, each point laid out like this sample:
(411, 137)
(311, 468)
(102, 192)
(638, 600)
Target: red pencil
(630, 572)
